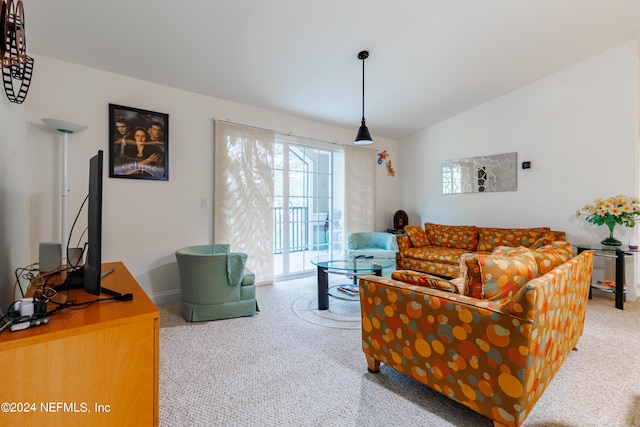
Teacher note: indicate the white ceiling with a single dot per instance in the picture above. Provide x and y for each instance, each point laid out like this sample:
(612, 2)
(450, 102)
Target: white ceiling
(429, 59)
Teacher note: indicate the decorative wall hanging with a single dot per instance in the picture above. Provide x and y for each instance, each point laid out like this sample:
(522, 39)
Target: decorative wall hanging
(390, 170)
(16, 64)
(480, 174)
(138, 143)
(381, 156)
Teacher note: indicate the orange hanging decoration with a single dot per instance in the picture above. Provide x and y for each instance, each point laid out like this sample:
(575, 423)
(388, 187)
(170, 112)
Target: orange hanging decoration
(390, 170)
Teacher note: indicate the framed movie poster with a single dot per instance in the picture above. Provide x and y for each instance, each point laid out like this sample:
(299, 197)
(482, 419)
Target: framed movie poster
(138, 143)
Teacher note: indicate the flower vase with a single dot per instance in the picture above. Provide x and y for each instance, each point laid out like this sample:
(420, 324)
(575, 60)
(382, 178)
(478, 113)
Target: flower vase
(611, 241)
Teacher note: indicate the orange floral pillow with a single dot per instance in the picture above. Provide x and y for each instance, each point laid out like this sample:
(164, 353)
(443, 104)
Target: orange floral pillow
(417, 235)
(490, 238)
(547, 257)
(503, 276)
(423, 279)
(543, 241)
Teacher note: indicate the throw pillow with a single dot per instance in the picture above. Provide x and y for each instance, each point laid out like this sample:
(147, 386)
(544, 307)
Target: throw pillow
(503, 276)
(423, 279)
(491, 238)
(502, 251)
(547, 257)
(543, 241)
(417, 236)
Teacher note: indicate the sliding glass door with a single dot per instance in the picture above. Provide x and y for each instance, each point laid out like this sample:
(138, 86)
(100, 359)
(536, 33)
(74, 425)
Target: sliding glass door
(307, 208)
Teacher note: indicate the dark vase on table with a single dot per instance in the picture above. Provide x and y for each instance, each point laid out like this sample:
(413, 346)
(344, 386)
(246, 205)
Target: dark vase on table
(611, 241)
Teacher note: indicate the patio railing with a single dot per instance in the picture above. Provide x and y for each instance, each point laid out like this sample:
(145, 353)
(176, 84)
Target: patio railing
(298, 229)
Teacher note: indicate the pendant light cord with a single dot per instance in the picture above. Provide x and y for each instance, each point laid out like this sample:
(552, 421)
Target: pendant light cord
(363, 88)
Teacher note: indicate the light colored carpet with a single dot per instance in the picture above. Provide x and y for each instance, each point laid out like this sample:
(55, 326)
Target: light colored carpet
(342, 314)
(291, 365)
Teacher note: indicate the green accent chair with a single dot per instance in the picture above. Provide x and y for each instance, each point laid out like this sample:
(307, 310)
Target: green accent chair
(215, 284)
(375, 244)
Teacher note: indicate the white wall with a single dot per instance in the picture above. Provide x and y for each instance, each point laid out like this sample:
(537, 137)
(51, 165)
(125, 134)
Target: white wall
(14, 175)
(144, 221)
(578, 127)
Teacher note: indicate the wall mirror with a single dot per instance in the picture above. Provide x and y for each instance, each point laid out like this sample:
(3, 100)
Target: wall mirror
(480, 174)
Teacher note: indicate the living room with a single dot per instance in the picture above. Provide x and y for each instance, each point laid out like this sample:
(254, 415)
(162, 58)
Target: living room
(578, 126)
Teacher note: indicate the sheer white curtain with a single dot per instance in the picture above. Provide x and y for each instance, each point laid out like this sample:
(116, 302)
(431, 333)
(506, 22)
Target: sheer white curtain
(360, 189)
(243, 194)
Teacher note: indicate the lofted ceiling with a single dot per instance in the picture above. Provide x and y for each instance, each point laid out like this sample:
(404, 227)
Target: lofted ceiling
(429, 59)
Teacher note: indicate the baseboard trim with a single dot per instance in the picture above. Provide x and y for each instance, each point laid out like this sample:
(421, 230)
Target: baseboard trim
(165, 297)
(631, 295)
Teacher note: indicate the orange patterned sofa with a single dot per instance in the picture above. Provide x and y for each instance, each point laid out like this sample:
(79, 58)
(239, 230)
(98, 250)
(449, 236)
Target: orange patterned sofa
(496, 353)
(436, 249)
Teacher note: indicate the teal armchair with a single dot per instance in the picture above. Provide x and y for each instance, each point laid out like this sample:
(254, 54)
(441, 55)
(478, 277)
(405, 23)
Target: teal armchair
(215, 284)
(374, 244)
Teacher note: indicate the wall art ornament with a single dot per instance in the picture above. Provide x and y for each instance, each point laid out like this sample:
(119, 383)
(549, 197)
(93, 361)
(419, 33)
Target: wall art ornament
(16, 64)
(138, 143)
(390, 170)
(480, 174)
(381, 156)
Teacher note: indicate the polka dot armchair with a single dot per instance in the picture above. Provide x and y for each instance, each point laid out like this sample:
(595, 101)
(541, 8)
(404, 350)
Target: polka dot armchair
(496, 355)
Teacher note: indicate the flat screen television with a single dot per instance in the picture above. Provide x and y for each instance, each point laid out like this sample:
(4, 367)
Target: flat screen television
(89, 276)
(93, 262)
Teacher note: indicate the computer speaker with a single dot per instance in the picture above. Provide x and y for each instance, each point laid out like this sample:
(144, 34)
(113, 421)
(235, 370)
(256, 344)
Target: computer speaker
(50, 256)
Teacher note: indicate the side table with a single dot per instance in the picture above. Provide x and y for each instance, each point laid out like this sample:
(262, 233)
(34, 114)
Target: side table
(395, 231)
(619, 252)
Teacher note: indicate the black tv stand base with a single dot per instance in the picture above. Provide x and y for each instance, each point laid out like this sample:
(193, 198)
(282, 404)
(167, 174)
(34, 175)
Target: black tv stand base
(74, 280)
(117, 295)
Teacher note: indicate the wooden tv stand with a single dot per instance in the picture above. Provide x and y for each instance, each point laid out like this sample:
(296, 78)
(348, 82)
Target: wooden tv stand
(96, 366)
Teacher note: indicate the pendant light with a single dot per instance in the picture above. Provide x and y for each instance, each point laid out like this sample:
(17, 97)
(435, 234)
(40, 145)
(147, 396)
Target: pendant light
(363, 137)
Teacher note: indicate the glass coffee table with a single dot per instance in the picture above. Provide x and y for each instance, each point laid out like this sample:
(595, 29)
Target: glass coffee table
(360, 266)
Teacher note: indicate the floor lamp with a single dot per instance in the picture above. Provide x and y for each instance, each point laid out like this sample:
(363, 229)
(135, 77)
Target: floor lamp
(65, 128)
